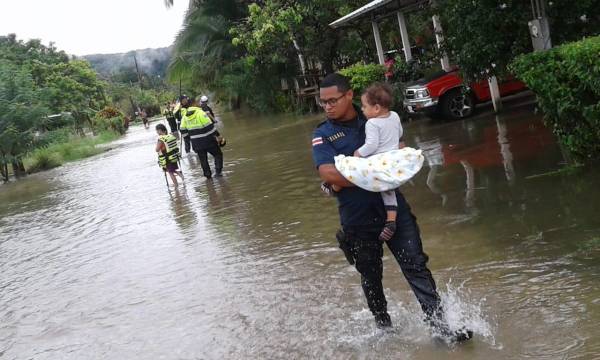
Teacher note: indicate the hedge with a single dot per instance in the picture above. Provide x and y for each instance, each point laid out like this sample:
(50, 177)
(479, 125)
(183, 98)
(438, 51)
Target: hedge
(566, 81)
(362, 75)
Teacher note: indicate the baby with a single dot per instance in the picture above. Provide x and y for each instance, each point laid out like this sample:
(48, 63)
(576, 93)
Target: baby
(383, 134)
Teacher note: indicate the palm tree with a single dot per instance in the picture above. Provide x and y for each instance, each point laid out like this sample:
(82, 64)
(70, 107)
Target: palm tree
(203, 46)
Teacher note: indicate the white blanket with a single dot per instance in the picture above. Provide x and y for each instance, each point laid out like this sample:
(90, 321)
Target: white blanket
(381, 172)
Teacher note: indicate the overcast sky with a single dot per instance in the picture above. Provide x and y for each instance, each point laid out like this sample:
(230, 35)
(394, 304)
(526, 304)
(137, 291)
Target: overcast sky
(82, 27)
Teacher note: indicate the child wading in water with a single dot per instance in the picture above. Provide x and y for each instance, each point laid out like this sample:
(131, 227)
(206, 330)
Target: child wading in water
(383, 133)
(168, 153)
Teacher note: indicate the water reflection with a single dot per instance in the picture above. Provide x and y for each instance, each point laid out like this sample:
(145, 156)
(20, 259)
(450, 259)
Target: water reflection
(507, 157)
(182, 209)
(246, 266)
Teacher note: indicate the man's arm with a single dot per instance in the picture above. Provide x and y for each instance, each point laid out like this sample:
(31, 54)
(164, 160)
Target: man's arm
(330, 175)
(210, 110)
(323, 156)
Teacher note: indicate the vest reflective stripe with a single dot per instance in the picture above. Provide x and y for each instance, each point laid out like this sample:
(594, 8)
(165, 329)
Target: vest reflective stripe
(170, 142)
(198, 136)
(171, 154)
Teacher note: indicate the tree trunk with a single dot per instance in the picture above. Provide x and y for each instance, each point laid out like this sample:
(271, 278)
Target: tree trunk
(18, 168)
(4, 171)
(300, 59)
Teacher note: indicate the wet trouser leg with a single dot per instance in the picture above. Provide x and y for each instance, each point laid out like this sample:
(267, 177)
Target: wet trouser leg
(172, 124)
(407, 249)
(203, 155)
(186, 143)
(216, 152)
(367, 251)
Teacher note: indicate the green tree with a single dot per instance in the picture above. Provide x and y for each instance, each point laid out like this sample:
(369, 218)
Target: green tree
(483, 37)
(20, 115)
(242, 49)
(19, 52)
(203, 54)
(70, 87)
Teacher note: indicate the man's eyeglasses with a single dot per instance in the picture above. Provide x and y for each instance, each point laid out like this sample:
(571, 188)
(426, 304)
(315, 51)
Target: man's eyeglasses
(330, 102)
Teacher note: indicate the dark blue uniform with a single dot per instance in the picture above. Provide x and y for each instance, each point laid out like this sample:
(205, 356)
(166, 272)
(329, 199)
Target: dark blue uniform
(362, 215)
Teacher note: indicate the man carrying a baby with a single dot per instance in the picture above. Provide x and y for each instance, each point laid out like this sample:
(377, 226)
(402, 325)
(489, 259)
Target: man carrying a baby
(363, 214)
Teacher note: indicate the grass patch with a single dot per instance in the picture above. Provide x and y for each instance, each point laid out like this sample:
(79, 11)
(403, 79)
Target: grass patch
(75, 148)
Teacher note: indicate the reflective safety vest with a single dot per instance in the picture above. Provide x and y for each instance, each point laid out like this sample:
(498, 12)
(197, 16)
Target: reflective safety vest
(179, 111)
(197, 123)
(179, 115)
(171, 154)
(168, 113)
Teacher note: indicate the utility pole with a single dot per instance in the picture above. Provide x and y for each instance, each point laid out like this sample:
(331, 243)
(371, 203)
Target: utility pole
(137, 70)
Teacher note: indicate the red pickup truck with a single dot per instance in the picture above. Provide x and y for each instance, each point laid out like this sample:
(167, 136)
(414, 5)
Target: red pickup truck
(444, 93)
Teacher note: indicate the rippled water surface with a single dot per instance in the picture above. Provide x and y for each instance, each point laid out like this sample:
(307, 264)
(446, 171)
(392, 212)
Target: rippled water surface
(99, 261)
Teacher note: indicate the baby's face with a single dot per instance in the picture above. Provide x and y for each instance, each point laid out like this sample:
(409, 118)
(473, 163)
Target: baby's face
(370, 111)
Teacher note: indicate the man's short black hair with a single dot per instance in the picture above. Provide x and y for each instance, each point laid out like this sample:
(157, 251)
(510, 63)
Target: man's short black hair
(161, 127)
(336, 79)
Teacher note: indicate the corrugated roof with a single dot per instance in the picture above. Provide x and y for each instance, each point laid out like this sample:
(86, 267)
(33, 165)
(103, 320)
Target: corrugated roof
(373, 7)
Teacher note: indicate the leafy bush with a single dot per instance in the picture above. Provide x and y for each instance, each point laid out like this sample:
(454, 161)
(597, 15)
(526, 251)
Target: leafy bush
(110, 119)
(116, 124)
(566, 80)
(362, 75)
(108, 112)
(42, 159)
(407, 71)
(69, 149)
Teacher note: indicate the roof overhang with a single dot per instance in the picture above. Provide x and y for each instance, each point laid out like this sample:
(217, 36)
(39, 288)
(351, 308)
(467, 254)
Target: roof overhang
(377, 9)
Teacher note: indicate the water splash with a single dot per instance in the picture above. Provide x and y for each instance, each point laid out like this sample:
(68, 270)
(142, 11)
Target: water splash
(463, 310)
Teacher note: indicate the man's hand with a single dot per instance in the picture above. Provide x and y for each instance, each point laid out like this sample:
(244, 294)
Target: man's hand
(330, 175)
(326, 189)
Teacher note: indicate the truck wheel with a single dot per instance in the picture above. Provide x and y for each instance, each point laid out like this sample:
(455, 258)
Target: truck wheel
(456, 104)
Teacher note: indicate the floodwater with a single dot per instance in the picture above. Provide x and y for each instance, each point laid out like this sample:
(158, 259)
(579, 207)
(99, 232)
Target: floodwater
(99, 261)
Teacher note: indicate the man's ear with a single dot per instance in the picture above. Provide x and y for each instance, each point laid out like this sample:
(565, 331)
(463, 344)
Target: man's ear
(350, 94)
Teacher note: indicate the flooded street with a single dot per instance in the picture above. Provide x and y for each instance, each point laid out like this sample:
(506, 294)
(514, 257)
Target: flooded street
(99, 261)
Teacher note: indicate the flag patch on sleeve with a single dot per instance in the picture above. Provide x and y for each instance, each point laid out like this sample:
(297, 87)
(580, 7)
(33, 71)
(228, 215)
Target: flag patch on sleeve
(317, 141)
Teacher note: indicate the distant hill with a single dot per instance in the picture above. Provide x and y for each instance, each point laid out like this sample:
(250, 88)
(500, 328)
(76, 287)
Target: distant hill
(152, 62)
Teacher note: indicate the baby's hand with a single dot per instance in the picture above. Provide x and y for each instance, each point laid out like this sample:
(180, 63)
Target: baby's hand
(357, 154)
(336, 188)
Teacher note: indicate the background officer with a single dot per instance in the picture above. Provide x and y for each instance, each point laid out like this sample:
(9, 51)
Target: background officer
(170, 116)
(207, 109)
(362, 213)
(179, 112)
(204, 138)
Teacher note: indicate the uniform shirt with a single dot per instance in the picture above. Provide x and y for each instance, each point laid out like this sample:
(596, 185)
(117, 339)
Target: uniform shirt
(357, 207)
(207, 109)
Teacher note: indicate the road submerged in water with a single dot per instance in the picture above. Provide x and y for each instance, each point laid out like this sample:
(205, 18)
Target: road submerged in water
(100, 261)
